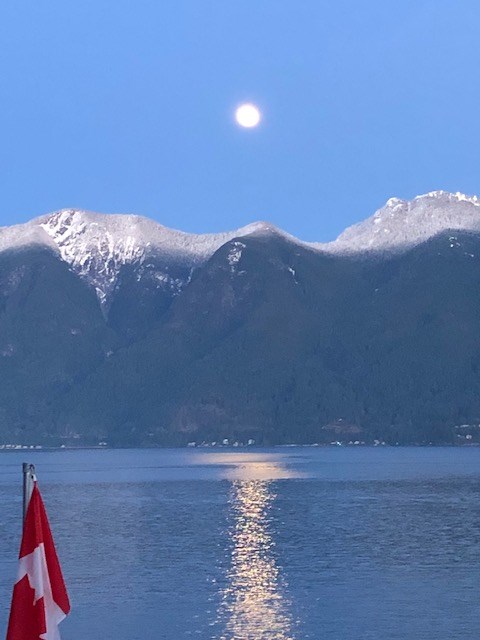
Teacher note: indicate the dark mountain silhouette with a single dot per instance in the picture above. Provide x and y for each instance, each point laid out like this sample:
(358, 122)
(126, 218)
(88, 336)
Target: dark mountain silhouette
(266, 338)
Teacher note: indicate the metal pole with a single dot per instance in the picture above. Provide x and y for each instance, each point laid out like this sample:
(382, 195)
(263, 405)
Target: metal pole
(28, 480)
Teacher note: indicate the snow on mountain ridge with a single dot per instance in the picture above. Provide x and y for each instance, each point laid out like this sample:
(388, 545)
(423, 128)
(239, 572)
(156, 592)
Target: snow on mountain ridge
(97, 246)
(401, 224)
(91, 249)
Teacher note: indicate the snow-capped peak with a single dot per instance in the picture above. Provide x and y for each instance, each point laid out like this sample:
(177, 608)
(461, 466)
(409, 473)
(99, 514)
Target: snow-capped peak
(92, 248)
(259, 227)
(451, 197)
(401, 223)
(96, 246)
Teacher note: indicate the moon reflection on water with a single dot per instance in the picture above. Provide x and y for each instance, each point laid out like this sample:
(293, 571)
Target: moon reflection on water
(254, 603)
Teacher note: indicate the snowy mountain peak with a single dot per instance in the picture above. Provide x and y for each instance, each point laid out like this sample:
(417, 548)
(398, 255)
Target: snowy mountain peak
(394, 202)
(263, 228)
(405, 223)
(91, 246)
(96, 246)
(446, 196)
(258, 227)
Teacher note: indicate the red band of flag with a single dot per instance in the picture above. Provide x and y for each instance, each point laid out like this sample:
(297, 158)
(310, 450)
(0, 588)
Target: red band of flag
(40, 601)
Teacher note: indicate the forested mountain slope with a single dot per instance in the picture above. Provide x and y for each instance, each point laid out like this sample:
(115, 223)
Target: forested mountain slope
(117, 329)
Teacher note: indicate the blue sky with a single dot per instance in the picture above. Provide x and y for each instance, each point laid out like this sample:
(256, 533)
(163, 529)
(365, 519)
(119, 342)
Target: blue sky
(123, 106)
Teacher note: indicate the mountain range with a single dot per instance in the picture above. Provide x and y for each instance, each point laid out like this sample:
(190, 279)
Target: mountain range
(114, 328)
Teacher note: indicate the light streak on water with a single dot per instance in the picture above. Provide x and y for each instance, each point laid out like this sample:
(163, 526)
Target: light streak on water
(254, 606)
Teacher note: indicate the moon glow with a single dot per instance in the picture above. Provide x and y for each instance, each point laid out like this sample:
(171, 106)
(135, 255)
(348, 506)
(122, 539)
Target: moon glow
(248, 115)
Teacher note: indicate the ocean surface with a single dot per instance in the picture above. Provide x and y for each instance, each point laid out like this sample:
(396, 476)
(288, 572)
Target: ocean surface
(280, 544)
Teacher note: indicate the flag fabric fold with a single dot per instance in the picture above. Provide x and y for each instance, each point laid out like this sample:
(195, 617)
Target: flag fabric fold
(40, 600)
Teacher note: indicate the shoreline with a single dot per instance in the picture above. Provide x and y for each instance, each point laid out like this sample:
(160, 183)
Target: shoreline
(42, 448)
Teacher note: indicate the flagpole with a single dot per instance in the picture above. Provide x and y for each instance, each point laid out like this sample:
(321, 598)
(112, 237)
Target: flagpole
(28, 480)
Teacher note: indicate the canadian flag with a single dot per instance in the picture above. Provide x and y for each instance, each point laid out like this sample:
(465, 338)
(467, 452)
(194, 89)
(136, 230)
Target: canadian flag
(40, 601)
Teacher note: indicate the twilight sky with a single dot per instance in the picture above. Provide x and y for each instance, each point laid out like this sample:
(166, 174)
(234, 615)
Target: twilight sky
(127, 106)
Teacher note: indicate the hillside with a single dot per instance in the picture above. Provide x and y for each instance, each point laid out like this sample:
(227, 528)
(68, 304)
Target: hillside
(113, 328)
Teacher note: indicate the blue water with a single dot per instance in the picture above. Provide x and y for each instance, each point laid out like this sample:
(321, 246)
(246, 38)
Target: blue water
(290, 543)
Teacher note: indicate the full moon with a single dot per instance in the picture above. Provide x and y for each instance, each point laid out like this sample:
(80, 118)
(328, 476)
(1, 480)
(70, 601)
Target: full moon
(248, 115)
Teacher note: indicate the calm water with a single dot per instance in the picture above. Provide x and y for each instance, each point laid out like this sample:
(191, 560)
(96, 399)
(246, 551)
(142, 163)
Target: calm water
(285, 544)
